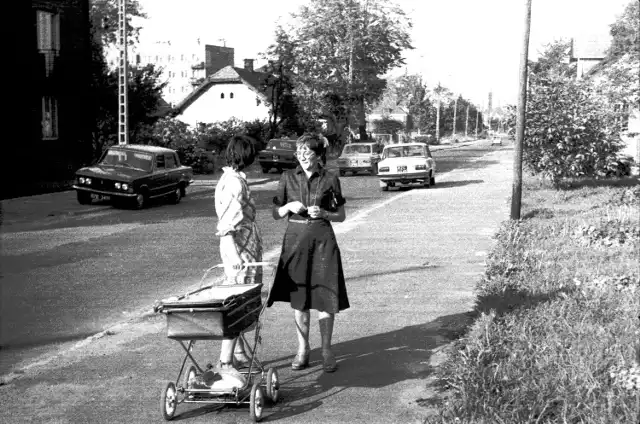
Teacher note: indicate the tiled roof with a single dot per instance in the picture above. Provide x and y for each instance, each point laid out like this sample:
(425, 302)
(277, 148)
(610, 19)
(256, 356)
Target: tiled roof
(592, 46)
(226, 75)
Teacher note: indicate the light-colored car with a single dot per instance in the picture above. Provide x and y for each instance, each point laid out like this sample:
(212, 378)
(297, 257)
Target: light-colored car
(360, 157)
(496, 140)
(405, 164)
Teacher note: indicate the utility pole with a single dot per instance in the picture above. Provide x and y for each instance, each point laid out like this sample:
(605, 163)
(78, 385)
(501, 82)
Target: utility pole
(466, 122)
(477, 117)
(123, 96)
(455, 113)
(516, 195)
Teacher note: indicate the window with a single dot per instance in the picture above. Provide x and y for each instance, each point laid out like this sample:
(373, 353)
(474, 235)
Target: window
(170, 161)
(48, 26)
(231, 95)
(160, 161)
(222, 95)
(48, 31)
(49, 118)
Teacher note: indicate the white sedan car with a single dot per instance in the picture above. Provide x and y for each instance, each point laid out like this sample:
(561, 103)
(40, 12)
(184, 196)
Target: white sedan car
(405, 164)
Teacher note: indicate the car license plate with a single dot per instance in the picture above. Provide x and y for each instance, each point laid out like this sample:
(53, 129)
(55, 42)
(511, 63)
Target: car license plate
(402, 168)
(276, 157)
(98, 197)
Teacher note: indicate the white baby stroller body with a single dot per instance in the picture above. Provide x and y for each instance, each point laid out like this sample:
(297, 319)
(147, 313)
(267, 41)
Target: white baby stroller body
(211, 313)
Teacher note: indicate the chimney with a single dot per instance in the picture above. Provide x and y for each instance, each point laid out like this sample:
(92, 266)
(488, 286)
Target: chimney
(248, 65)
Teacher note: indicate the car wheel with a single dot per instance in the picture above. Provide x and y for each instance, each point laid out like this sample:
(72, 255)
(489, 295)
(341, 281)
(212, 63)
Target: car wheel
(141, 200)
(183, 190)
(84, 198)
(265, 170)
(342, 173)
(433, 180)
(427, 182)
(176, 196)
(384, 187)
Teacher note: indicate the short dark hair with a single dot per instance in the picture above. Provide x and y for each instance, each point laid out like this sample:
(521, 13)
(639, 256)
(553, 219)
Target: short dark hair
(313, 141)
(240, 152)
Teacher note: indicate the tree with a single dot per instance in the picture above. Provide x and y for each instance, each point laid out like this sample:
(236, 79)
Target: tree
(104, 20)
(440, 94)
(337, 52)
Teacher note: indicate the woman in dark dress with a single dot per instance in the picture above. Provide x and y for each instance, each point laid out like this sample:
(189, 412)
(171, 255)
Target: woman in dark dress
(310, 274)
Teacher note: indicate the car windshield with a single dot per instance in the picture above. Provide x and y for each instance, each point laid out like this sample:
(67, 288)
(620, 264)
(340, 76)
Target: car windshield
(354, 148)
(128, 159)
(281, 144)
(404, 151)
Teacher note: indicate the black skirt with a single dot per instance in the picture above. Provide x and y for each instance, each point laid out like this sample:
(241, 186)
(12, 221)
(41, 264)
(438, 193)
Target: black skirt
(309, 274)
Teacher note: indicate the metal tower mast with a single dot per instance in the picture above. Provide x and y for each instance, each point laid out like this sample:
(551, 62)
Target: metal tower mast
(123, 120)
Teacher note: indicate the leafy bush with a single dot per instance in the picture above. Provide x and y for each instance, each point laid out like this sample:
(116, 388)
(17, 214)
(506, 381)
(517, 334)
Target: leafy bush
(570, 130)
(426, 139)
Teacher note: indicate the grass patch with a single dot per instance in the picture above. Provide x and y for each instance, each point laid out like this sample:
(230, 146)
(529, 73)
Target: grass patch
(558, 334)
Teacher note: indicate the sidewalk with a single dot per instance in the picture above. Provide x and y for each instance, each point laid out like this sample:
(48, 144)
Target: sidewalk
(411, 264)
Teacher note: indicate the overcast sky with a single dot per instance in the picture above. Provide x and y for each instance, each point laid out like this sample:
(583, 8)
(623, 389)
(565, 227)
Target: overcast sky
(471, 46)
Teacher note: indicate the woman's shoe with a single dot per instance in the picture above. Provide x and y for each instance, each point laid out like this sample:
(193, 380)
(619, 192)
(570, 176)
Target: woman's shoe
(329, 362)
(241, 360)
(300, 362)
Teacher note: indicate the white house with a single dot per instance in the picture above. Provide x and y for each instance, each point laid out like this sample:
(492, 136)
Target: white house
(229, 93)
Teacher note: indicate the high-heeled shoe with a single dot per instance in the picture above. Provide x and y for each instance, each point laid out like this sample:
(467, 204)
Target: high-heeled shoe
(301, 361)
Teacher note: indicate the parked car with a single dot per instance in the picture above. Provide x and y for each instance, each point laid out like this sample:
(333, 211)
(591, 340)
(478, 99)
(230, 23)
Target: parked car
(496, 140)
(357, 157)
(405, 164)
(135, 174)
(280, 153)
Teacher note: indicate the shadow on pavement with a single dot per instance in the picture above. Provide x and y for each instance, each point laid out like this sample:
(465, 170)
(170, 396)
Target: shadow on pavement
(373, 362)
(450, 184)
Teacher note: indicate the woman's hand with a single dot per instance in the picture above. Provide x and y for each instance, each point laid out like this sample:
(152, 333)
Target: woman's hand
(317, 212)
(296, 207)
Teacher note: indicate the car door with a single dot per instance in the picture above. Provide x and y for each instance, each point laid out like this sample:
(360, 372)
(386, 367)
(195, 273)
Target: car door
(159, 179)
(173, 174)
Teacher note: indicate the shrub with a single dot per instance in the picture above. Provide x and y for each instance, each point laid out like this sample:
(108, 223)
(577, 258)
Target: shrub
(426, 139)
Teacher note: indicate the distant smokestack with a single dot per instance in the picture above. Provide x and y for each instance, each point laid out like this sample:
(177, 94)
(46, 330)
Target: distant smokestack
(248, 65)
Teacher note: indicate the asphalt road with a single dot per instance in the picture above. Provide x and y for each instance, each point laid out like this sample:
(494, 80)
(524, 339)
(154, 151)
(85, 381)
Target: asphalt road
(66, 277)
(411, 260)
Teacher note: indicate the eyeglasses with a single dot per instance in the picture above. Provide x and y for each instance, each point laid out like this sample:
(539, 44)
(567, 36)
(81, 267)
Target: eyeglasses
(305, 153)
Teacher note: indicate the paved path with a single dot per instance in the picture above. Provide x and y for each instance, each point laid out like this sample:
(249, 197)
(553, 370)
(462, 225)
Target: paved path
(411, 265)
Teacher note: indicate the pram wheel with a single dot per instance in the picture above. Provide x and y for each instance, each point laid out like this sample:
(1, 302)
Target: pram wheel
(256, 402)
(273, 385)
(189, 377)
(169, 401)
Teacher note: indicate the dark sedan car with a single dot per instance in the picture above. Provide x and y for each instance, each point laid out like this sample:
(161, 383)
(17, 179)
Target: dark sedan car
(134, 173)
(279, 154)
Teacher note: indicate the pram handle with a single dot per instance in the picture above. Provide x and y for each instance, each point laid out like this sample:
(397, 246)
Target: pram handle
(244, 265)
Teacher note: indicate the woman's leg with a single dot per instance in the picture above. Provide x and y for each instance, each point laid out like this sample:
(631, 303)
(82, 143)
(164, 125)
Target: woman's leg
(325, 321)
(226, 351)
(302, 319)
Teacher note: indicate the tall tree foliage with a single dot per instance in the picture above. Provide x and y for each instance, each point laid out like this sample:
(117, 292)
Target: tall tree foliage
(144, 83)
(337, 51)
(104, 20)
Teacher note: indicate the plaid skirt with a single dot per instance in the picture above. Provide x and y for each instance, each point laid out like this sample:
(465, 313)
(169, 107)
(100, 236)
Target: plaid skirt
(309, 274)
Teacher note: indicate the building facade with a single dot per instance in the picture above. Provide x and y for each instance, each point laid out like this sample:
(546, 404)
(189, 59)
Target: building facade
(184, 63)
(59, 121)
(229, 93)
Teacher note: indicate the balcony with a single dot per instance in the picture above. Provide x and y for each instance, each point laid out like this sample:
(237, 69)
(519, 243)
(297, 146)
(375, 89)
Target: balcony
(198, 66)
(195, 81)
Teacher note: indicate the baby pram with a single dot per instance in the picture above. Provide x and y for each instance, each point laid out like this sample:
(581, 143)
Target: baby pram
(210, 313)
